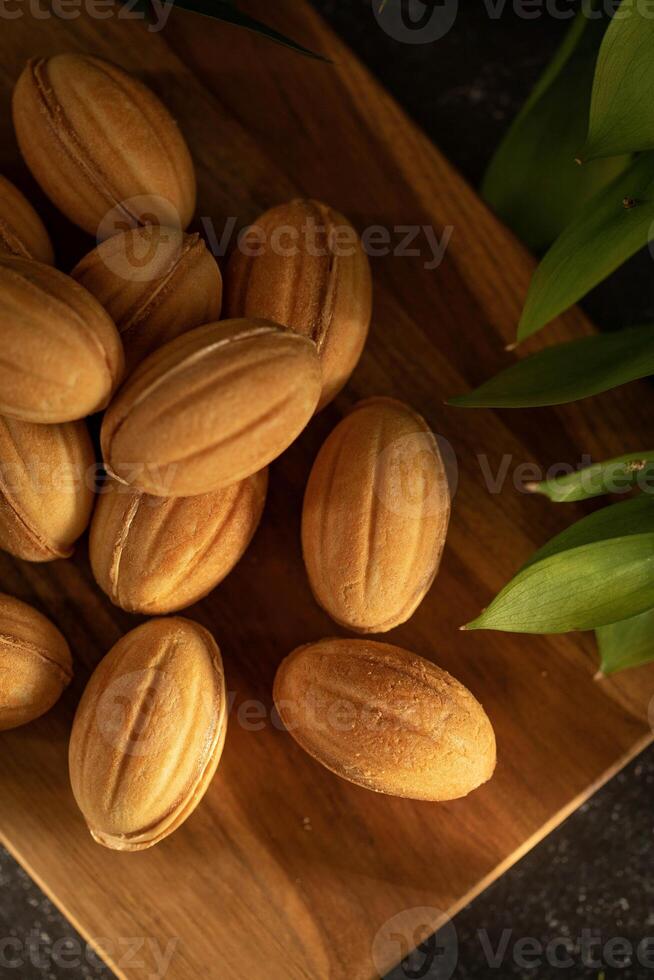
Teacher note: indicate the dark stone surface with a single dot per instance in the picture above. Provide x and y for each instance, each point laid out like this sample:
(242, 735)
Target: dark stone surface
(591, 877)
(36, 942)
(464, 89)
(595, 872)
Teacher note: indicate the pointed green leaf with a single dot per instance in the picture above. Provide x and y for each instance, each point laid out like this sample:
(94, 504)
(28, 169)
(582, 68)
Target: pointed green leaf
(567, 372)
(533, 182)
(611, 227)
(227, 11)
(611, 476)
(622, 107)
(597, 572)
(622, 520)
(627, 644)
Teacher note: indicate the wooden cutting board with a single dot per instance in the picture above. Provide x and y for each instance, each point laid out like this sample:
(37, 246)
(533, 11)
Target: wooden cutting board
(286, 871)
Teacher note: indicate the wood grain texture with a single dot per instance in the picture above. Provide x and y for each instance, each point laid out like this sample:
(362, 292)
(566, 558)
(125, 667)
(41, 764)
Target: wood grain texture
(286, 871)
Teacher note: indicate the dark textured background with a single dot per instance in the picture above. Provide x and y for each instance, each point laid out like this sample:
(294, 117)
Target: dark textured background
(595, 872)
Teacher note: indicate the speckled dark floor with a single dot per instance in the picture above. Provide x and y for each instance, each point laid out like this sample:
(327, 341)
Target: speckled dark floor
(593, 876)
(36, 942)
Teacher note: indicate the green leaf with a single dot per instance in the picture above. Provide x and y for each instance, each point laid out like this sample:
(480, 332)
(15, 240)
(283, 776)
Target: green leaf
(609, 229)
(629, 643)
(632, 516)
(567, 372)
(533, 182)
(599, 571)
(227, 11)
(622, 107)
(611, 476)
